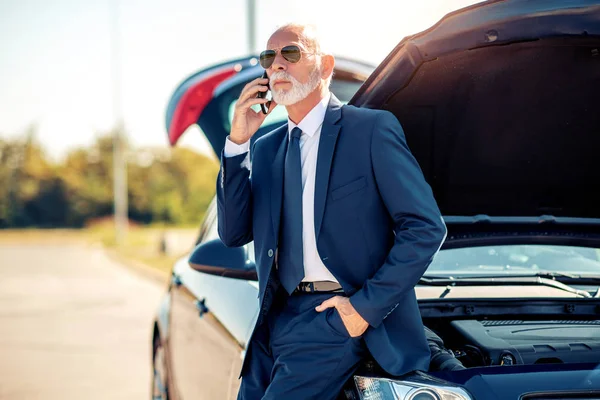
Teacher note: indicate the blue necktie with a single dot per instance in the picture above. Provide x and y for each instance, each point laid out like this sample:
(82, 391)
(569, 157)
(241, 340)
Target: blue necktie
(290, 258)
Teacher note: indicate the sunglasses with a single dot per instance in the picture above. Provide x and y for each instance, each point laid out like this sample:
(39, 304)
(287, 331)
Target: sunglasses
(291, 53)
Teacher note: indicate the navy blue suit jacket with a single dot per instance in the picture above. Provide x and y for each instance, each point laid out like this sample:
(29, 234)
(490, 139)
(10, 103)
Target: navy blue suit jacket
(377, 224)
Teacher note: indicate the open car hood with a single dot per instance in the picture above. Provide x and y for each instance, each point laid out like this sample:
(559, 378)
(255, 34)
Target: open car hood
(500, 103)
(206, 97)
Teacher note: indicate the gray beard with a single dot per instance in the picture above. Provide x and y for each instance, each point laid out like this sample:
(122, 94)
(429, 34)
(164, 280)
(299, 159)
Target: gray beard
(299, 91)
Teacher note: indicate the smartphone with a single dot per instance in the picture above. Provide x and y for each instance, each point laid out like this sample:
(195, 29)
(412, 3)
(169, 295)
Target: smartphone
(264, 106)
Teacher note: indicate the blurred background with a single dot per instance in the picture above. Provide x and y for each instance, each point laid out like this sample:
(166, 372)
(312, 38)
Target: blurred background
(95, 206)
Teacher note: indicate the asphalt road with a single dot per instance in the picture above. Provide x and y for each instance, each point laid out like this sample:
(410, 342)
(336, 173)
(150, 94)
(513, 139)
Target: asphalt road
(74, 324)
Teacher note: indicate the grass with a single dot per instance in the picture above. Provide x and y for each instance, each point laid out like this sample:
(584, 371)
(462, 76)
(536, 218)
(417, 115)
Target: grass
(142, 244)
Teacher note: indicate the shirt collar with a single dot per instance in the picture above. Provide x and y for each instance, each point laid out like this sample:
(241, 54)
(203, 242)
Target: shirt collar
(313, 120)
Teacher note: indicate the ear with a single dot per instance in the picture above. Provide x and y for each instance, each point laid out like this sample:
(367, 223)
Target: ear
(328, 63)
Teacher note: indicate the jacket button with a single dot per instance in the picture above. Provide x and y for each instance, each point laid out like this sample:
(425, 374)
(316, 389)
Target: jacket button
(270, 253)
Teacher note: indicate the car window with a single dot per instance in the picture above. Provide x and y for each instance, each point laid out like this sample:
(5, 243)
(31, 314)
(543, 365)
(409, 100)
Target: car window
(209, 223)
(212, 231)
(209, 229)
(516, 259)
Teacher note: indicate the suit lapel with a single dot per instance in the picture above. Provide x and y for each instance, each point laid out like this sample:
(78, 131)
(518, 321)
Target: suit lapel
(277, 179)
(329, 136)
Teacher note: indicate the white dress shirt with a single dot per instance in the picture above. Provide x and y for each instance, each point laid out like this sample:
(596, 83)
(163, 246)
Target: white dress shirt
(314, 269)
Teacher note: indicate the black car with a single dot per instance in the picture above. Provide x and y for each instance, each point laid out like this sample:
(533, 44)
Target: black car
(500, 103)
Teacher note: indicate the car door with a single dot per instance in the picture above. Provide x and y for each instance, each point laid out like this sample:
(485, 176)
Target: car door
(211, 321)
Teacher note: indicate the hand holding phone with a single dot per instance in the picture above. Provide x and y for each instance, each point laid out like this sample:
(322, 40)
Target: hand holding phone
(262, 95)
(246, 121)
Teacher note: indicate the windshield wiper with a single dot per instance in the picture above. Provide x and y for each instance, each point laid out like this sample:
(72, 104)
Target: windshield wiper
(541, 278)
(553, 274)
(564, 277)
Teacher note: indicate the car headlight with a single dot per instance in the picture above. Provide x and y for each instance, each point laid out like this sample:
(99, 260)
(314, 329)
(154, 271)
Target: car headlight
(417, 387)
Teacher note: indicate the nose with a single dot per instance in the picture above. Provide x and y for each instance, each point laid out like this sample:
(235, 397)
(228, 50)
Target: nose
(279, 63)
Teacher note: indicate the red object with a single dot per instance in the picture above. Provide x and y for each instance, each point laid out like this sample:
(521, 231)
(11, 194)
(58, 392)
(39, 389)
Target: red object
(193, 102)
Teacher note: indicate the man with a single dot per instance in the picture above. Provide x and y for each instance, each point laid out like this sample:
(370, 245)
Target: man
(343, 224)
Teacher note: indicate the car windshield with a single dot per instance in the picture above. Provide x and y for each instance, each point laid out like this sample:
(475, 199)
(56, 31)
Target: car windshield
(514, 260)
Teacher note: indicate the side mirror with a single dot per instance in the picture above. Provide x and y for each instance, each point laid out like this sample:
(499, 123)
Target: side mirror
(215, 258)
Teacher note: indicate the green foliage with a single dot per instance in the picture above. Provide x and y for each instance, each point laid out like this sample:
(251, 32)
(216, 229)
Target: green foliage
(165, 186)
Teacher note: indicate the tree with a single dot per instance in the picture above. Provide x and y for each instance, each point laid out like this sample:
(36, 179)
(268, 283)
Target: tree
(171, 186)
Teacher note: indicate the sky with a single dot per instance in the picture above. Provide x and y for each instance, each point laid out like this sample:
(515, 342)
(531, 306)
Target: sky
(56, 59)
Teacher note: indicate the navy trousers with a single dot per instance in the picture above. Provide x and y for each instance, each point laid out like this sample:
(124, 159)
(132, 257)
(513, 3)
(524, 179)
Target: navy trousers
(299, 353)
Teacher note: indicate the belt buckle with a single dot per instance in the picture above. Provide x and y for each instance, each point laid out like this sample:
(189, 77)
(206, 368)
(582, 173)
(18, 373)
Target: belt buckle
(306, 287)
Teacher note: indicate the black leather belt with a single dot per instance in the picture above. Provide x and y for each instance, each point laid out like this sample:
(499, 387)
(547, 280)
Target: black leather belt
(319, 287)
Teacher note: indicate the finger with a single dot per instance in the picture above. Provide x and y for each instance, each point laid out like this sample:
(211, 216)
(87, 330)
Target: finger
(327, 304)
(252, 92)
(257, 81)
(252, 101)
